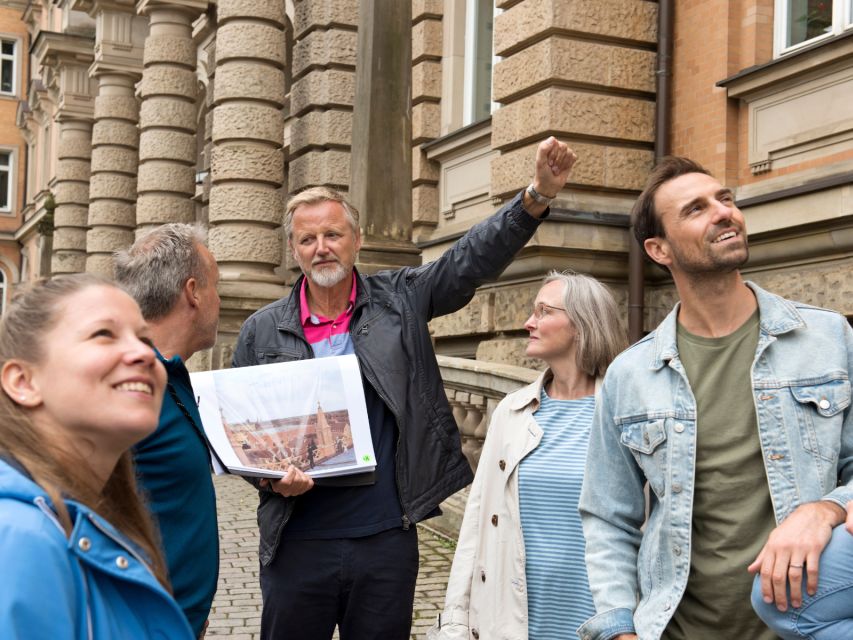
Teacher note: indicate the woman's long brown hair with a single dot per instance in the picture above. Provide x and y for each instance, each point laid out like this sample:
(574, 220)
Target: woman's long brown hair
(54, 465)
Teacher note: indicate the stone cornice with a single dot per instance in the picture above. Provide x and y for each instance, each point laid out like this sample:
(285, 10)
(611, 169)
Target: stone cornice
(190, 6)
(51, 48)
(93, 7)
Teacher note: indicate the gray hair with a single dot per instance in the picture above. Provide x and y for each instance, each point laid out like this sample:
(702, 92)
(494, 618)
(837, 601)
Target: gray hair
(316, 195)
(595, 316)
(155, 269)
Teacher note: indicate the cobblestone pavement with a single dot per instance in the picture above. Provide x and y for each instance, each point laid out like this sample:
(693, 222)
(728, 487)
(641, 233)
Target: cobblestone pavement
(237, 607)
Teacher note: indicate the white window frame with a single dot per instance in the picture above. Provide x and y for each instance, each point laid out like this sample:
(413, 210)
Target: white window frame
(842, 19)
(16, 42)
(472, 23)
(10, 171)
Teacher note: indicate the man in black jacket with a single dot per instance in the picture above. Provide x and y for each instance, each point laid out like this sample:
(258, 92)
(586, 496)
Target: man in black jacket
(348, 556)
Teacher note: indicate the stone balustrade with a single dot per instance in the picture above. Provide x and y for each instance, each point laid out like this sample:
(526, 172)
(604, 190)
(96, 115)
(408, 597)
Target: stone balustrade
(474, 388)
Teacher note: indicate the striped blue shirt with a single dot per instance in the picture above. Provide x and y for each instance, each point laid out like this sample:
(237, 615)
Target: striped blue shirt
(549, 485)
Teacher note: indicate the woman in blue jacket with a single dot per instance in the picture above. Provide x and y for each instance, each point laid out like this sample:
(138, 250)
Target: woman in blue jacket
(80, 384)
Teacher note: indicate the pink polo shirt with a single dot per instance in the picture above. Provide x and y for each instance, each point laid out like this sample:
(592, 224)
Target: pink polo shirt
(327, 337)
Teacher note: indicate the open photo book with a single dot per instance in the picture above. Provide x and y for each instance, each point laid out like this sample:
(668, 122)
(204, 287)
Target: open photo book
(311, 414)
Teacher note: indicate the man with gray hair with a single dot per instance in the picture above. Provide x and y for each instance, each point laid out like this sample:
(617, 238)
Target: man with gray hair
(347, 556)
(173, 277)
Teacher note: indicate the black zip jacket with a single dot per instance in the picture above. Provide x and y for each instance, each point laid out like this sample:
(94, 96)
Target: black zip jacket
(392, 342)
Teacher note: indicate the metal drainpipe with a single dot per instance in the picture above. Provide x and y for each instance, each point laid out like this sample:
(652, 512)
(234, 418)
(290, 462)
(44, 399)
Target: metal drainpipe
(663, 74)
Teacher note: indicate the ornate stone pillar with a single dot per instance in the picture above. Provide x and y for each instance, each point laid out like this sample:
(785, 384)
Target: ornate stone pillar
(247, 162)
(382, 133)
(117, 68)
(72, 194)
(167, 118)
(112, 194)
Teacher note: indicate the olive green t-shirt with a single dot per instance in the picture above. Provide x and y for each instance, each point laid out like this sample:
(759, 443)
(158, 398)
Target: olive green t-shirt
(732, 511)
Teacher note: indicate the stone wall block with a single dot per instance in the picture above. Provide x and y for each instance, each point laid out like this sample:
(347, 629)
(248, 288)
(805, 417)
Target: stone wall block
(320, 128)
(427, 8)
(242, 80)
(113, 132)
(69, 239)
(108, 239)
(575, 61)
(248, 121)
(271, 10)
(423, 169)
(114, 160)
(166, 176)
(310, 13)
(573, 112)
(71, 217)
(73, 169)
(331, 167)
(229, 203)
(169, 145)
(74, 147)
(333, 87)
(168, 81)
(473, 318)
(425, 204)
(112, 185)
(323, 48)
(72, 193)
(102, 264)
(426, 121)
(513, 305)
(426, 80)
(598, 165)
(632, 20)
(228, 243)
(247, 162)
(118, 107)
(170, 49)
(427, 38)
(155, 208)
(113, 212)
(250, 40)
(508, 351)
(167, 112)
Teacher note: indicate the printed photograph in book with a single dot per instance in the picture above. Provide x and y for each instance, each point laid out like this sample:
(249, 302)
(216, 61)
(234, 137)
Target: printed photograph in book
(318, 440)
(309, 413)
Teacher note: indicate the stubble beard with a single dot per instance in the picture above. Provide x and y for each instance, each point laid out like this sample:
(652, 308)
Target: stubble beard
(329, 276)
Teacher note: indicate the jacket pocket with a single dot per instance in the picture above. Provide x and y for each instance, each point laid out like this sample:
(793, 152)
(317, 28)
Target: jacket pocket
(820, 416)
(647, 441)
(269, 356)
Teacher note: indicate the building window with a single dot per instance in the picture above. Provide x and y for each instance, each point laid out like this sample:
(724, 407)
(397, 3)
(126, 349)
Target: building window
(479, 25)
(8, 66)
(5, 181)
(802, 22)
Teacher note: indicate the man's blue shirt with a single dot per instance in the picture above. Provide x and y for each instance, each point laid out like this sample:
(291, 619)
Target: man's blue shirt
(173, 467)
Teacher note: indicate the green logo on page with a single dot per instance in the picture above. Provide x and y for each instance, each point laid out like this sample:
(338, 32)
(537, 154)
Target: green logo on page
(365, 458)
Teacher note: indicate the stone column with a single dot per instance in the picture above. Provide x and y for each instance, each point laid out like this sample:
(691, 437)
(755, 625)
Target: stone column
(247, 162)
(72, 194)
(382, 133)
(167, 118)
(112, 194)
(119, 37)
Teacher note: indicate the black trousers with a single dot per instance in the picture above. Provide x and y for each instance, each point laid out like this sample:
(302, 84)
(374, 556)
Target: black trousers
(365, 586)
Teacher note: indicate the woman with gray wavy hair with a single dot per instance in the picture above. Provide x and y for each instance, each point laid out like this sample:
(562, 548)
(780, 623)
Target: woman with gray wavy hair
(519, 567)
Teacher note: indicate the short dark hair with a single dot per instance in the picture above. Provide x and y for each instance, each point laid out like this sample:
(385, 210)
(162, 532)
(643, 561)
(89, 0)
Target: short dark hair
(645, 220)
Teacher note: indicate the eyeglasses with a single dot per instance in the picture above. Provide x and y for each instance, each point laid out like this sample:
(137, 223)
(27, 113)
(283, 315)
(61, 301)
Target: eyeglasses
(542, 310)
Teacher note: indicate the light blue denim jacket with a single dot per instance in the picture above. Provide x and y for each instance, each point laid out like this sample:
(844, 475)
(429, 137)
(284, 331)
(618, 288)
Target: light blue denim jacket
(645, 429)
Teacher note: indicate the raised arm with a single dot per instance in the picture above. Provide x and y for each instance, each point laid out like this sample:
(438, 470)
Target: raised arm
(448, 283)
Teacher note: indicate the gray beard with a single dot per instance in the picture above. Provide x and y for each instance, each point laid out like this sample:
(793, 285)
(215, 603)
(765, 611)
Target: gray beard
(329, 276)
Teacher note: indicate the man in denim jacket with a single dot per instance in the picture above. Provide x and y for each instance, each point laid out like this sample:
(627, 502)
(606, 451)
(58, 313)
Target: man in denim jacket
(736, 412)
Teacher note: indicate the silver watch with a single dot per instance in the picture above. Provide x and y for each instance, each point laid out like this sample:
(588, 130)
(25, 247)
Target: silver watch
(538, 197)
